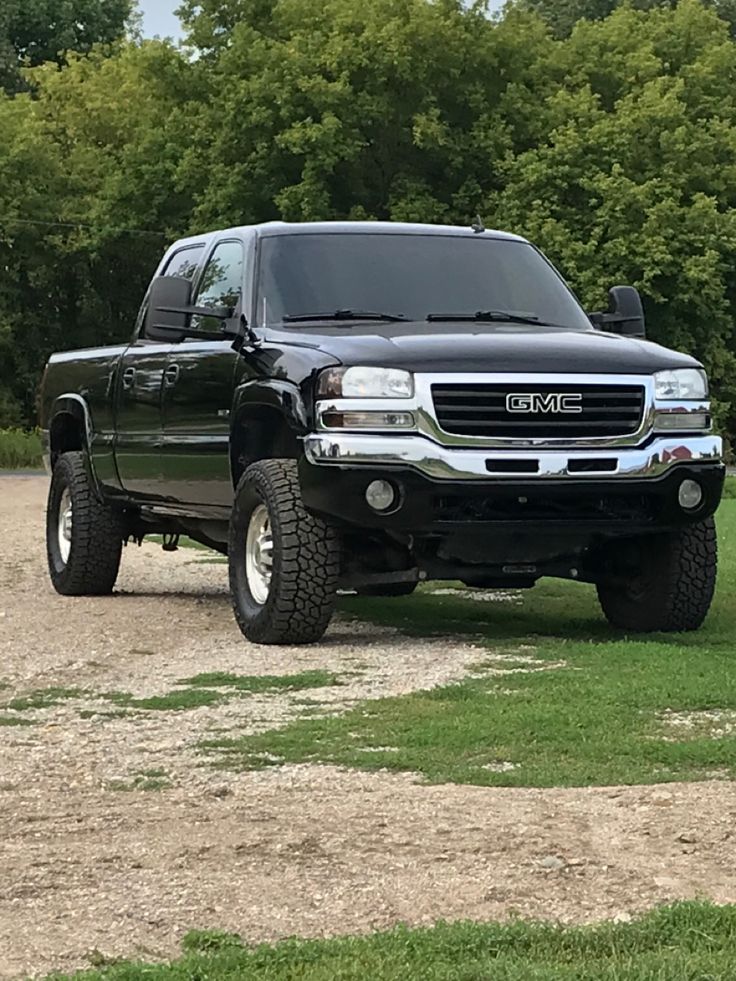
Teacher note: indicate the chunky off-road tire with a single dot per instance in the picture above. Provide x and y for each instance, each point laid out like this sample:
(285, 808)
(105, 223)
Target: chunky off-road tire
(93, 561)
(305, 559)
(672, 589)
(393, 589)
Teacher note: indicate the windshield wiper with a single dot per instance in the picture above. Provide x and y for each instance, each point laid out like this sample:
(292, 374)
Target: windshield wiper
(488, 317)
(344, 315)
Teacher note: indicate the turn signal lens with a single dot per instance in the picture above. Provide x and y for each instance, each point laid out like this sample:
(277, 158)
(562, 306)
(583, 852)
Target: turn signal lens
(368, 420)
(682, 420)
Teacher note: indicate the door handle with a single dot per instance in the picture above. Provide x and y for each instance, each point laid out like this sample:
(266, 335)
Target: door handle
(171, 375)
(128, 378)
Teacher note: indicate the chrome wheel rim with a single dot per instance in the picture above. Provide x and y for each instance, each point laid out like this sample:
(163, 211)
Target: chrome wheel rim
(65, 525)
(259, 555)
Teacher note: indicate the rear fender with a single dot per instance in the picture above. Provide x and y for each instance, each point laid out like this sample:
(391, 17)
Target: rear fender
(70, 428)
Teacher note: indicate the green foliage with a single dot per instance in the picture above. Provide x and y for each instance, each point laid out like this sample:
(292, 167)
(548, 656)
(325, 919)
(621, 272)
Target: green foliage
(263, 683)
(613, 148)
(633, 183)
(563, 15)
(687, 940)
(19, 450)
(36, 31)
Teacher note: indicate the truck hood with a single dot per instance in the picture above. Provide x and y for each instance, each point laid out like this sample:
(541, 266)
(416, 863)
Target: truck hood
(422, 347)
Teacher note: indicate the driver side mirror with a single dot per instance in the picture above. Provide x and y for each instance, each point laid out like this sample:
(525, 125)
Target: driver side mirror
(170, 311)
(625, 314)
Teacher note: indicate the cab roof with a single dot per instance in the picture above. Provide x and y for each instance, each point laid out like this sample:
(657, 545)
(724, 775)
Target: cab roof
(274, 228)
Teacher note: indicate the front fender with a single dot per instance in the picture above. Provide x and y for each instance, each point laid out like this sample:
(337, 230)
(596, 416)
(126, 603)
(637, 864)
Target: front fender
(272, 393)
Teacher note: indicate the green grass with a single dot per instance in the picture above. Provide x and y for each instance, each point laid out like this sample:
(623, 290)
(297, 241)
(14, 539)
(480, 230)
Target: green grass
(146, 780)
(202, 691)
(264, 683)
(694, 941)
(20, 450)
(14, 720)
(173, 701)
(44, 699)
(598, 719)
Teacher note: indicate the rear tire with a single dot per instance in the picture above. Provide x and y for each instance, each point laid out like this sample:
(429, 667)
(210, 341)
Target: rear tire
(284, 563)
(84, 537)
(672, 587)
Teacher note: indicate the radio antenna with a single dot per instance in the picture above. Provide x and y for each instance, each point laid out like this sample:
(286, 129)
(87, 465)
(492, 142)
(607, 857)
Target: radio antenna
(478, 226)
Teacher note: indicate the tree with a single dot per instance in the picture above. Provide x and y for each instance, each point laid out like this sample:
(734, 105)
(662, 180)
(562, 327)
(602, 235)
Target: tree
(87, 205)
(36, 31)
(338, 108)
(636, 180)
(562, 15)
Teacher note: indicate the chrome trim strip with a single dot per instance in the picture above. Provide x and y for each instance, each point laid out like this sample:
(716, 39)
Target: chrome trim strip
(443, 463)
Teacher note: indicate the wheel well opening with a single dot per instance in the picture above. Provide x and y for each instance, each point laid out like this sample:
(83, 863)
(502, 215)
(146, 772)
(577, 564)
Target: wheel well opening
(66, 434)
(261, 433)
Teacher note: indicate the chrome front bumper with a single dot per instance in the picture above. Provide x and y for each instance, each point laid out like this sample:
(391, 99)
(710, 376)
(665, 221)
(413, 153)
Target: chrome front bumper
(445, 463)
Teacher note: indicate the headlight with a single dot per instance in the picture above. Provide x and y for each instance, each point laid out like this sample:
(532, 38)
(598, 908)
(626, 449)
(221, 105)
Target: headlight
(365, 383)
(682, 384)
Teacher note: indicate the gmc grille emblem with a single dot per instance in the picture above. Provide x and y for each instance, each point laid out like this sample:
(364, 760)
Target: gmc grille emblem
(539, 403)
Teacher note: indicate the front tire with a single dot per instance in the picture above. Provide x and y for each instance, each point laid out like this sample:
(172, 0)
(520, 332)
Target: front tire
(84, 537)
(670, 588)
(284, 562)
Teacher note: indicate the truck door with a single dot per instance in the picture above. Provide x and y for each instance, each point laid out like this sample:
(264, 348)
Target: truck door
(198, 386)
(140, 391)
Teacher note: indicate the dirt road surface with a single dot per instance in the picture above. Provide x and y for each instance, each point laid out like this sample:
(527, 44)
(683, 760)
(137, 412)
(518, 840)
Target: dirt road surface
(311, 851)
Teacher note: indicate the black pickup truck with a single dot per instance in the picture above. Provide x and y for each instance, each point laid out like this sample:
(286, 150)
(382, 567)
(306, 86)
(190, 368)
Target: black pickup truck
(367, 406)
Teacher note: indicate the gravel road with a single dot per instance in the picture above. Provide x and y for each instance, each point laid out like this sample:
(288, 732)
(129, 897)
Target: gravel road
(313, 851)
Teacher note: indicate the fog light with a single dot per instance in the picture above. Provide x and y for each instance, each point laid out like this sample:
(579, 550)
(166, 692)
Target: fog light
(690, 495)
(381, 495)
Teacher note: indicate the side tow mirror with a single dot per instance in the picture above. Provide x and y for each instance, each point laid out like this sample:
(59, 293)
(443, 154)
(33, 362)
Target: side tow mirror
(167, 306)
(170, 312)
(625, 314)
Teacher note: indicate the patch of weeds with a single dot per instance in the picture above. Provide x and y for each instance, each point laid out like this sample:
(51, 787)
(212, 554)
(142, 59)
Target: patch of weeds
(97, 959)
(174, 701)
(254, 684)
(44, 699)
(20, 450)
(98, 714)
(146, 780)
(15, 720)
(211, 941)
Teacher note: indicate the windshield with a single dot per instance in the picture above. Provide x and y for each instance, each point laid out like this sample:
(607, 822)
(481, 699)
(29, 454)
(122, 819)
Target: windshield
(411, 277)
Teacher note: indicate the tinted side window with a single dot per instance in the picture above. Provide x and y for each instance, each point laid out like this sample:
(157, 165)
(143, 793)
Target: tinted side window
(185, 262)
(222, 282)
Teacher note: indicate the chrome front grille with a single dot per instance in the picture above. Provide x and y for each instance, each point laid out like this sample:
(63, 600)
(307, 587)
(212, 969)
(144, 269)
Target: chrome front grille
(537, 410)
